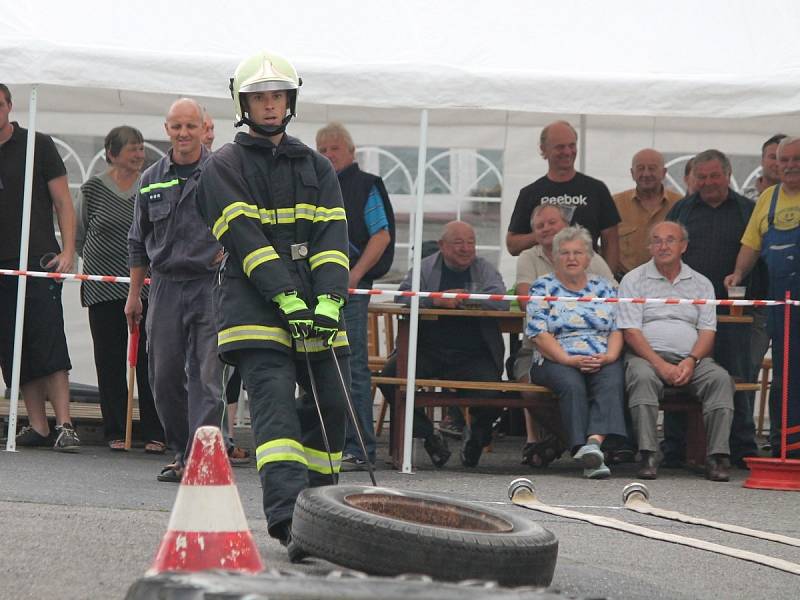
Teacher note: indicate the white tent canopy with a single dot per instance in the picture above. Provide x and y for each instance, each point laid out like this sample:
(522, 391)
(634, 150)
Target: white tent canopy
(717, 58)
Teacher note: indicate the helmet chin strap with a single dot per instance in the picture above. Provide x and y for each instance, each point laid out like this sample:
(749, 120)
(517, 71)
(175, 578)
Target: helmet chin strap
(263, 129)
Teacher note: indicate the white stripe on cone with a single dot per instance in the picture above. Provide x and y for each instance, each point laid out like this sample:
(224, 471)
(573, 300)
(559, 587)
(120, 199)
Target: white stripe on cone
(207, 508)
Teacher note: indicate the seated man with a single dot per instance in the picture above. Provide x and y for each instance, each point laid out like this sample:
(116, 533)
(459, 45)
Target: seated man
(671, 345)
(465, 348)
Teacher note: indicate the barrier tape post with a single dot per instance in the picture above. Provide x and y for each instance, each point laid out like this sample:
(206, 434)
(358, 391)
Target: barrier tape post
(25, 232)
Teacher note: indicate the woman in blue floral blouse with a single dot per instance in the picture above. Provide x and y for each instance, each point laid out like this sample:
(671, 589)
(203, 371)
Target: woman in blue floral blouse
(577, 350)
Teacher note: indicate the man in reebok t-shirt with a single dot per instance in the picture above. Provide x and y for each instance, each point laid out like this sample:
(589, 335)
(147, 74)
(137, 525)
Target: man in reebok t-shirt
(586, 199)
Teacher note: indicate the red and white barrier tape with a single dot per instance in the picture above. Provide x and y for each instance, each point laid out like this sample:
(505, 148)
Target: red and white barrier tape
(448, 295)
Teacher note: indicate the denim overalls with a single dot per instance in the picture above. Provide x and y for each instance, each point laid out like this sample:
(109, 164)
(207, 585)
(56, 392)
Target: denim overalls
(780, 250)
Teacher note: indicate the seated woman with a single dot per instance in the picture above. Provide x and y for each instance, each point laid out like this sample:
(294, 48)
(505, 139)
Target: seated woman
(544, 440)
(577, 350)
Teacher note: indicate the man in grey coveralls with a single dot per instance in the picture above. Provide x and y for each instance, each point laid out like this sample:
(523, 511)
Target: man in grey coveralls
(169, 236)
(671, 344)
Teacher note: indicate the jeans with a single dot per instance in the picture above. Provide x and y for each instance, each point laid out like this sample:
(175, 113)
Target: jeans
(355, 318)
(590, 403)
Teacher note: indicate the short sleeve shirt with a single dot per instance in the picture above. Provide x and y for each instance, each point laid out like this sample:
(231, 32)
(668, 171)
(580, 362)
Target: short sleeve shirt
(667, 327)
(533, 263)
(47, 166)
(374, 212)
(636, 223)
(585, 198)
(582, 328)
(787, 216)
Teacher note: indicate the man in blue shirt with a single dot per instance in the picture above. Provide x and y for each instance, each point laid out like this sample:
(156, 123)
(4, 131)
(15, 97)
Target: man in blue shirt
(370, 227)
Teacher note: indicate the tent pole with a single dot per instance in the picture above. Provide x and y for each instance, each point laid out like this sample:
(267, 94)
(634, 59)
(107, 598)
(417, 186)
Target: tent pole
(419, 217)
(11, 442)
(582, 144)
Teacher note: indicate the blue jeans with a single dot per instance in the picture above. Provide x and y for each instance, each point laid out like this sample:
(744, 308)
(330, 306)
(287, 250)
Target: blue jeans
(590, 403)
(355, 318)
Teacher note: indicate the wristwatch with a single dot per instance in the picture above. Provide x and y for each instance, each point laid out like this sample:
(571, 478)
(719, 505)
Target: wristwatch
(693, 357)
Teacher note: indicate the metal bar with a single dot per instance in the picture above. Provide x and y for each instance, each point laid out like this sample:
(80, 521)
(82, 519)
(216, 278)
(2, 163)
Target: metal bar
(419, 219)
(11, 442)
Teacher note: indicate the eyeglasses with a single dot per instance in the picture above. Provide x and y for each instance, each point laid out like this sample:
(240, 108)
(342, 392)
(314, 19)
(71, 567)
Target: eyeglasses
(670, 241)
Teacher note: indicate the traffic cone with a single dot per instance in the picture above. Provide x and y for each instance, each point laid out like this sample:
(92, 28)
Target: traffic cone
(207, 528)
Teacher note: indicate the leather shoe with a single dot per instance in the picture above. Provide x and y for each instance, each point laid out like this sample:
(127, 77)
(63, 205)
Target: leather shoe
(436, 447)
(717, 468)
(471, 448)
(648, 466)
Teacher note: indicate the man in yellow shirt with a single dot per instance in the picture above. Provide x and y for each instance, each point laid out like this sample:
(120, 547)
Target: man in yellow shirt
(774, 232)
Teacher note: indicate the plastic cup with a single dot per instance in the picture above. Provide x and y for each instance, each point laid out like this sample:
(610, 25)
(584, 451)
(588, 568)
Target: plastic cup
(46, 260)
(736, 292)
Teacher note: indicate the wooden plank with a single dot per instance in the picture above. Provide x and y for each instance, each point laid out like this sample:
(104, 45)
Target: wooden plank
(79, 411)
(507, 386)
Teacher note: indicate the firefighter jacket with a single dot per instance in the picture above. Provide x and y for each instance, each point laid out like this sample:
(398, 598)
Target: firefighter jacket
(167, 233)
(278, 212)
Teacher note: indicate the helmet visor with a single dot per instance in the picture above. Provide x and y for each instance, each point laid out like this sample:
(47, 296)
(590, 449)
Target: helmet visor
(267, 86)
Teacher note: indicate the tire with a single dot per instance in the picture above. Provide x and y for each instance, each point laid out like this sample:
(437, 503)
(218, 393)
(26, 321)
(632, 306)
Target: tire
(294, 585)
(386, 532)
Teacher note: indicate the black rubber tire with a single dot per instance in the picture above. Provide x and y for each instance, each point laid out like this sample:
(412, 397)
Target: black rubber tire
(292, 585)
(353, 526)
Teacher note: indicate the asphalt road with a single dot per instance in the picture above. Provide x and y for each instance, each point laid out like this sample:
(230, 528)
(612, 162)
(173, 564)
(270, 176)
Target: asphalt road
(87, 525)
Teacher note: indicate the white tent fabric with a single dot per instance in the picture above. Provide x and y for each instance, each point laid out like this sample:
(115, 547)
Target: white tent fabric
(718, 58)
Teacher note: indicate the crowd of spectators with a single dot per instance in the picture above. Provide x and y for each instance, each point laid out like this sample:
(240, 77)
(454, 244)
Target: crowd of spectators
(607, 364)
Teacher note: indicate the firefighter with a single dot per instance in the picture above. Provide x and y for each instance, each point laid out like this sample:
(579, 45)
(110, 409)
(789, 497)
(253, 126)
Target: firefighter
(275, 206)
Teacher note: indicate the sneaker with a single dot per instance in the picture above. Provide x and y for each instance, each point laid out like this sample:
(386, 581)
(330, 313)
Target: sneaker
(351, 463)
(437, 450)
(590, 456)
(601, 472)
(31, 438)
(67, 440)
(238, 456)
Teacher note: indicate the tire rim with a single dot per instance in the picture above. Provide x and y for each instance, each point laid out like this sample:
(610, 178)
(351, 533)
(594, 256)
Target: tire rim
(429, 512)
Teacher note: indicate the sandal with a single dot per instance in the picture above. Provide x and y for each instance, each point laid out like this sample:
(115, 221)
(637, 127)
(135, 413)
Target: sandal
(542, 453)
(238, 456)
(155, 447)
(171, 473)
(117, 445)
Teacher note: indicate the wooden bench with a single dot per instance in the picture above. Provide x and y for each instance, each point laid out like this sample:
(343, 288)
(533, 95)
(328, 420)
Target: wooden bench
(444, 392)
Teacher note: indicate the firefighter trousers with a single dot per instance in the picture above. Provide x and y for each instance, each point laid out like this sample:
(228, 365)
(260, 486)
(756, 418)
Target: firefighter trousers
(290, 451)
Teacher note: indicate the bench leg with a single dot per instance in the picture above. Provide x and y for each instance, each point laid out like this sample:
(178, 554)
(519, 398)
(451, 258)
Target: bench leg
(695, 438)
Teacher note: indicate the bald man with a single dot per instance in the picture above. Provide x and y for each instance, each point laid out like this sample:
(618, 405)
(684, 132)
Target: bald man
(169, 237)
(642, 207)
(586, 199)
(465, 348)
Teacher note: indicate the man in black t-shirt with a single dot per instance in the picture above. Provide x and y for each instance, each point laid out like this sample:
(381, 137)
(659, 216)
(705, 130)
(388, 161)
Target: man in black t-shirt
(45, 360)
(586, 199)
